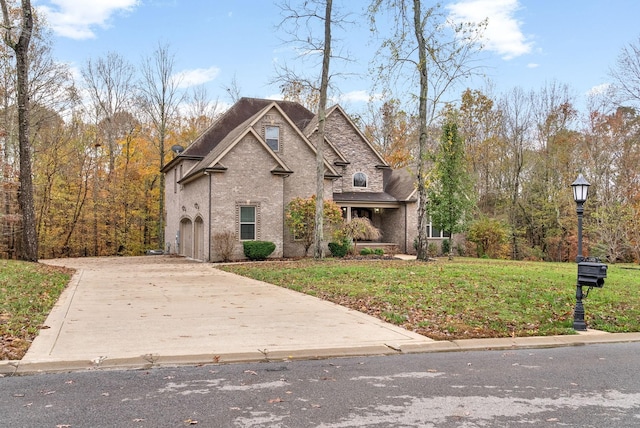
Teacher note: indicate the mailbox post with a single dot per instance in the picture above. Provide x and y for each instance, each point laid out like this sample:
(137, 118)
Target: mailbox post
(591, 272)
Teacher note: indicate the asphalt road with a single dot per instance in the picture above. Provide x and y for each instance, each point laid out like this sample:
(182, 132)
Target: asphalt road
(580, 386)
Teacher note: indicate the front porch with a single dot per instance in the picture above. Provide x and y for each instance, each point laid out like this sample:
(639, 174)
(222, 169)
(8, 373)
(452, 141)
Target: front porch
(389, 248)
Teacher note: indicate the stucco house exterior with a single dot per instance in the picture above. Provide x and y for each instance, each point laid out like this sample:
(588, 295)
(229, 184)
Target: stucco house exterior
(240, 174)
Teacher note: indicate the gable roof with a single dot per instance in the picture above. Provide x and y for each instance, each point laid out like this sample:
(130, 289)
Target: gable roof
(399, 187)
(312, 127)
(234, 125)
(236, 115)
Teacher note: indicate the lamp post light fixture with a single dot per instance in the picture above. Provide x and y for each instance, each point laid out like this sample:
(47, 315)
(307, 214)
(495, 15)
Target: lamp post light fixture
(591, 272)
(580, 190)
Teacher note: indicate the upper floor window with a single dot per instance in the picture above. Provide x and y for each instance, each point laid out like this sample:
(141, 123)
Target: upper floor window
(360, 179)
(272, 135)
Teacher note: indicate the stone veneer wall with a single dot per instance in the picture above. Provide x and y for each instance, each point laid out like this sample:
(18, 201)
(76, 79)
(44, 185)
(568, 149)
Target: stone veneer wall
(349, 143)
(248, 183)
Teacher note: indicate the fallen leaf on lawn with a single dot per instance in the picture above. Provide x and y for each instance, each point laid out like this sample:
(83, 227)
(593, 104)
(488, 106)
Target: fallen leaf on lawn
(191, 422)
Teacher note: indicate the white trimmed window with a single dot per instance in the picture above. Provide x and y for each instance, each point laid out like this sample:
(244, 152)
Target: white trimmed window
(272, 137)
(247, 223)
(360, 179)
(437, 233)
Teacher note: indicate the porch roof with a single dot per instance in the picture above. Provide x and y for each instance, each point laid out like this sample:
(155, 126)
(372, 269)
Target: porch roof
(368, 198)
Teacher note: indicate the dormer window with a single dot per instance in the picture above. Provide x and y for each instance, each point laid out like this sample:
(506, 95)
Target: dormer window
(272, 135)
(359, 179)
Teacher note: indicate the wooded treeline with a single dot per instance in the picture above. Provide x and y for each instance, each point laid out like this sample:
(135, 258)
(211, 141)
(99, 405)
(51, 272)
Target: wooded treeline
(99, 141)
(523, 151)
(98, 144)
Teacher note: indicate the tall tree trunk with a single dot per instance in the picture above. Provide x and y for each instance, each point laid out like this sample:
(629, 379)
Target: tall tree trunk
(322, 106)
(423, 217)
(25, 197)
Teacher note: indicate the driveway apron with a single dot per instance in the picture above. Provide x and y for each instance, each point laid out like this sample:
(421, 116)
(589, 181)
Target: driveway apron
(162, 309)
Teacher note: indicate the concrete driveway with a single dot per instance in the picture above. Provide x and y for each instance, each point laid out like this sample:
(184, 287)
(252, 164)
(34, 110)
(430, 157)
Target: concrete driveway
(140, 311)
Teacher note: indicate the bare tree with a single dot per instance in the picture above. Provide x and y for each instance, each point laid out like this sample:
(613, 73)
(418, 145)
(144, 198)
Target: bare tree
(109, 82)
(160, 100)
(322, 106)
(429, 51)
(233, 89)
(200, 110)
(517, 118)
(302, 19)
(18, 39)
(626, 74)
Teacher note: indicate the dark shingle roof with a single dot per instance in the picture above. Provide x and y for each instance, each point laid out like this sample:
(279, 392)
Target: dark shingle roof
(401, 184)
(363, 197)
(236, 115)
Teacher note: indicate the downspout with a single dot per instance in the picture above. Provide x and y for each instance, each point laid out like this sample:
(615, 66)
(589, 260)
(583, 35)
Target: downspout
(284, 209)
(209, 231)
(406, 228)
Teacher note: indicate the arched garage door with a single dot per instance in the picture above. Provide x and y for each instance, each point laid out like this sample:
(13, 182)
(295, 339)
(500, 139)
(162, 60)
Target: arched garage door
(186, 237)
(198, 236)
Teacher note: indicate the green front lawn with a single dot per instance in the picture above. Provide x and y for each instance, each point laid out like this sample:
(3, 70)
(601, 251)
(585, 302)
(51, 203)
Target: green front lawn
(28, 291)
(463, 298)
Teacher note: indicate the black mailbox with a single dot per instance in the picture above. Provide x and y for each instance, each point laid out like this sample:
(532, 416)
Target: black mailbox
(592, 274)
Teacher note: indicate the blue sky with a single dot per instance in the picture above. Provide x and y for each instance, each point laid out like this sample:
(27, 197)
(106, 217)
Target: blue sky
(529, 42)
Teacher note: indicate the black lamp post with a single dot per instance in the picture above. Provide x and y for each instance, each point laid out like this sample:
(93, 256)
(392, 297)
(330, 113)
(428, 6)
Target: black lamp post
(580, 189)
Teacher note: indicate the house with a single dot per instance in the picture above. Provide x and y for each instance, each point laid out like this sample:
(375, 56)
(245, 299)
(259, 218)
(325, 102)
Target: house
(240, 174)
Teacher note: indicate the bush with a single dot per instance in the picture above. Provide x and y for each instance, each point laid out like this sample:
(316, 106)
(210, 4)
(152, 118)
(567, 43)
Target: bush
(339, 249)
(258, 250)
(223, 244)
(446, 246)
(366, 251)
(378, 252)
(490, 237)
(301, 219)
(360, 229)
(432, 249)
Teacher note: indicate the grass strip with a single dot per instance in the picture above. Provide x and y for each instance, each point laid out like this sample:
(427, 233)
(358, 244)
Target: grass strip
(463, 298)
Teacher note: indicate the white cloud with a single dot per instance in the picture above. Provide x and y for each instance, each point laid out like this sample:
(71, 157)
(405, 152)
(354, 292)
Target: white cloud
(195, 77)
(503, 34)
(76, 19)
(601, 89)
(533, 65)
(355, 96)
